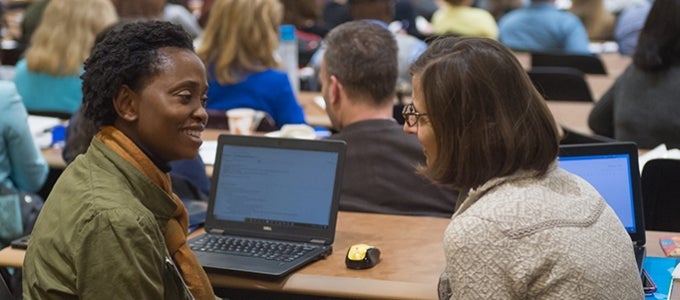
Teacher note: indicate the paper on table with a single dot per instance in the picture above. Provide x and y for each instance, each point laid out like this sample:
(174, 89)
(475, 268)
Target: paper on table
(659, 151)
(41, 129)
(296, 131)
(318, 100)
(674, 290)
(208, 151)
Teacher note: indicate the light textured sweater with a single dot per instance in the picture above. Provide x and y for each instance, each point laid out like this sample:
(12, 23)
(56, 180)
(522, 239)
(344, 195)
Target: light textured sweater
(549, 237)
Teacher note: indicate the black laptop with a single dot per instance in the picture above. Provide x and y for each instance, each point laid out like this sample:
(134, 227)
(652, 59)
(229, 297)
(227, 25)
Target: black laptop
(273, 205)
(612, 168)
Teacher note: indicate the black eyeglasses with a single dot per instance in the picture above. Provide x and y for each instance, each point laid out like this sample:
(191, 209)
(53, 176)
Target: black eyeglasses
(411, 116)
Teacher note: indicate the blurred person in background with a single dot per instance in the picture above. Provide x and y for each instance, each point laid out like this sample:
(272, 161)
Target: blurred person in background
(617, 6)
(23, 172)
(337, 12)
(158, 10)
(48, 78)
(31, 18)
(22, 166)
(542, 27)
(498, 8)
(628, 26)
(642, 104)
(180, 15)
(305, 15)
(458, 17)
(382, 12)
(139, 9)
(599, 22)
(238, 48)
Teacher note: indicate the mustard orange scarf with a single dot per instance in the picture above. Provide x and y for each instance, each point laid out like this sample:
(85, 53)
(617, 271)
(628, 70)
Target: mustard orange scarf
(176, 231)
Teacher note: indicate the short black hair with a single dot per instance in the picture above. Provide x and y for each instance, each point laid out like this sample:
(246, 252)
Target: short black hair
(127, 54)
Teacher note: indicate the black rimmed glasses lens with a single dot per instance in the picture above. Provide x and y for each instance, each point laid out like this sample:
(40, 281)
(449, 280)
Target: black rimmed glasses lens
(411, 116)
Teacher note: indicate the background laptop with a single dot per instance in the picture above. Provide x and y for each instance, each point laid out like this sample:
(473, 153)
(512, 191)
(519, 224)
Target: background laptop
(271, 190)
(612, 168)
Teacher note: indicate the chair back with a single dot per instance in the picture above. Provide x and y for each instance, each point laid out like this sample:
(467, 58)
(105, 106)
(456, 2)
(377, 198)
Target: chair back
(589, 64)
(561, 83)
(10, 56)
(661, 194)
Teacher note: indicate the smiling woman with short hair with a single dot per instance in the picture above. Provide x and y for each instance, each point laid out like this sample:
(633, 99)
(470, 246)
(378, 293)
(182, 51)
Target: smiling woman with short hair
(112, 225)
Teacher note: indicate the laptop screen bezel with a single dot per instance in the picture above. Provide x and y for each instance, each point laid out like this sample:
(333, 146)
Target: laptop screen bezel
(272, 231)
(617, 148)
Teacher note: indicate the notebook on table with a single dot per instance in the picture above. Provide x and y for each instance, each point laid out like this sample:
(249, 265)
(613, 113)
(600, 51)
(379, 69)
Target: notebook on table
(273, 205)
(612, 168)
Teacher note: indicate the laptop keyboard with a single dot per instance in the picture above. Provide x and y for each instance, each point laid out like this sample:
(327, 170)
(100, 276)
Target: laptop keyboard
(270, 250)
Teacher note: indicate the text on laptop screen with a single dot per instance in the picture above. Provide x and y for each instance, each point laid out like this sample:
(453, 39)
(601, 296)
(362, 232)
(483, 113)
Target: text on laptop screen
(610, 176)
(253, 181)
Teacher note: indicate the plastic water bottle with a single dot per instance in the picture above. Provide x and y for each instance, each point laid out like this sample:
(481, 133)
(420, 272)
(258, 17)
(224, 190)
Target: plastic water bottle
(288, 52)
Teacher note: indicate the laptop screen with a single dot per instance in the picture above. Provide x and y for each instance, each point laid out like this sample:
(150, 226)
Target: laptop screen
(276, 188)
(612, 169)
(610, 176)
(272, 186)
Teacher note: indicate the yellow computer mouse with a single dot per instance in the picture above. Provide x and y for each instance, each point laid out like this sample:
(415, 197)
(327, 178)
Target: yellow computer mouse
(362, 256)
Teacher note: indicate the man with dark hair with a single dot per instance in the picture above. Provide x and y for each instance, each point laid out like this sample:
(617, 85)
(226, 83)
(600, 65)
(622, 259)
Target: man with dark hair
(358, 75)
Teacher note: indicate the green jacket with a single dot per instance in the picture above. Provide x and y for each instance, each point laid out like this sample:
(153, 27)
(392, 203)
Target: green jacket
(100, 235)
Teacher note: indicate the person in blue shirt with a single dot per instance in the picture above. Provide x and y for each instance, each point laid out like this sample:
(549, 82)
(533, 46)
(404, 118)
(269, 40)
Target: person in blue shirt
(238, 46)
(628, 27)
(22, 166)
(541, 27)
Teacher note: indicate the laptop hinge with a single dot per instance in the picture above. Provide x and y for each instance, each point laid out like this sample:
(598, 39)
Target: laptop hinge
(216, 231)
(317, 241)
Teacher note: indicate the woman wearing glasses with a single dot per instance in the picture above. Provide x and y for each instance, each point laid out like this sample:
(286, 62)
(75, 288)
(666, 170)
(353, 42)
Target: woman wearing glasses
(527, 229)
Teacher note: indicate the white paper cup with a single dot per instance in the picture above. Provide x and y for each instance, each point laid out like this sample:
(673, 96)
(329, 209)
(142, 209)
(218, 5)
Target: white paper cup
(241, 121)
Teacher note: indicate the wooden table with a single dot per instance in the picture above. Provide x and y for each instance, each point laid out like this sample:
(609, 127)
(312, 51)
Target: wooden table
(412, 259)
(571, 114)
